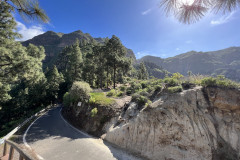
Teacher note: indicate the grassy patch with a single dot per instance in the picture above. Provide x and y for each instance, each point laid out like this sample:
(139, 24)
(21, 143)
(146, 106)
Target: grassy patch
(101, 99)
(174, 89)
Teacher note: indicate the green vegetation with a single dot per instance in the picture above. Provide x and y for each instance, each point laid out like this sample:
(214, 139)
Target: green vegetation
(101, 99)
(94, 112)
(175, 89)
(220, 81)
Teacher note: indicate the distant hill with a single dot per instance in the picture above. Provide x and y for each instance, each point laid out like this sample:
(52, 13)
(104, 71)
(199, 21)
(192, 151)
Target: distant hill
(54, 43)
(225, 62)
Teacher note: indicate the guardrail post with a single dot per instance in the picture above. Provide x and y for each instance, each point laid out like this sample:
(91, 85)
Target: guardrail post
(11, 153)
(5, 149)
(20, 157)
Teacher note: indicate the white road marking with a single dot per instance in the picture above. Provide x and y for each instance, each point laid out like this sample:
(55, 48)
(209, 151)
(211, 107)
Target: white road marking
(25, 134)
(85, 134)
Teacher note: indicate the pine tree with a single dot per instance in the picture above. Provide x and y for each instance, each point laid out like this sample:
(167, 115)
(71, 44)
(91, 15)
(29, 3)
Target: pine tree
(142, 73)
(16, 62)
(116, 54)
(76, 62)
(54, 79)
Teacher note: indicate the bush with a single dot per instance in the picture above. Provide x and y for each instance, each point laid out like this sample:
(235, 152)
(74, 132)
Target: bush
(119, 94)
(171, 82)
(150, 89)
(140, 100)
(123, 88)
(111, 93)
(67, 99)
(144, 84)
(94, 112)
(144, 93)
(92, 100)
(220, 81)
(129, 91)
(80, 91)
(148, 104)
(174, 89)
(158, 88)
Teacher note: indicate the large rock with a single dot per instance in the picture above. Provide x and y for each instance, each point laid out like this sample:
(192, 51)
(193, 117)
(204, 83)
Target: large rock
(199, 123)
(195, 124)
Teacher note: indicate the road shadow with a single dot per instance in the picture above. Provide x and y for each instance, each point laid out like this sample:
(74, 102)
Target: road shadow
(53, 125)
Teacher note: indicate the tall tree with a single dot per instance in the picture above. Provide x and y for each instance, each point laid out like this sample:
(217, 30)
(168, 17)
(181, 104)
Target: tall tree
(54, 79)
(142, 73)
(116, 53)
(76, 61)
(16, 62)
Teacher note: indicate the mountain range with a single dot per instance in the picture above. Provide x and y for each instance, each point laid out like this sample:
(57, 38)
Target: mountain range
(54, 43)
(222, 62)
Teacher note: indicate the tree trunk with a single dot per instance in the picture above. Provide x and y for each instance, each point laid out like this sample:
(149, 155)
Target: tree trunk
(114, 76)
(107, 76)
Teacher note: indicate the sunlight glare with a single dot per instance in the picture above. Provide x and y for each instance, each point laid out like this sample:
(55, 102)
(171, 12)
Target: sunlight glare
(188, 2)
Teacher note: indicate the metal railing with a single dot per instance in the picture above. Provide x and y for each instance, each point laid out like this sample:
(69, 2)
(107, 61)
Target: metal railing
(23, 155)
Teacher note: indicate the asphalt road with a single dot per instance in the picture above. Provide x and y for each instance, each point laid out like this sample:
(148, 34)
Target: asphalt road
(52, 138)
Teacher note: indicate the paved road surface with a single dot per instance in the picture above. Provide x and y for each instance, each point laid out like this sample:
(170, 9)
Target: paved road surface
(54, 139)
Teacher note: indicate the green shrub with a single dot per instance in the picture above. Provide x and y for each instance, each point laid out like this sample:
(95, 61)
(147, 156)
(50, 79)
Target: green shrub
(144, 93)
(140, 100)
(150, 89)
(148, 104)
(171, 82)
(220, 81)
(144, 84)
(174, 89)
(119, 94)
(123, 88)
(158, 88)
(92, 100)
(209, 81)
(129, 91)
(67, 99)
(137, 87)
(80, 91)
(94, 112)
(111, 93)
(177, 76)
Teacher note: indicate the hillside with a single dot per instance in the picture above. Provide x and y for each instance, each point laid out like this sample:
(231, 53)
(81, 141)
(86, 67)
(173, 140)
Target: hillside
(225, 62)
(54, 42)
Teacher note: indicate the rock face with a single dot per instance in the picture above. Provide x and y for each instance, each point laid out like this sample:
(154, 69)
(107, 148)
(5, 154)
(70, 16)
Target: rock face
(199, 123)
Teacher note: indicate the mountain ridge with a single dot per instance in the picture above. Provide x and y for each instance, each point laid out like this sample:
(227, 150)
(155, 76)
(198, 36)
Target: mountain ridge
(225, 62)
(54, 42)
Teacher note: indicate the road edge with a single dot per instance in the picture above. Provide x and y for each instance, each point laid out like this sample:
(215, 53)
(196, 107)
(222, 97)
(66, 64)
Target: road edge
(25, 134)
(85, 134)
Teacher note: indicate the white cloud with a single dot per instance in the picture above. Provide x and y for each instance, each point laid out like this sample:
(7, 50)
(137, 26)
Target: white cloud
(223, 19)
(189, 41)
(28, 33)
(178, 49)
(147, 11)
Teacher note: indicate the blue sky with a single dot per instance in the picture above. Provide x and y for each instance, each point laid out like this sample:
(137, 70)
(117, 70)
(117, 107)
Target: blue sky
(140, 24)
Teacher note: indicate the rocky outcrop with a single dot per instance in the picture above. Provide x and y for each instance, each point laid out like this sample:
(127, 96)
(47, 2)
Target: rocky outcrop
(199, 123)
